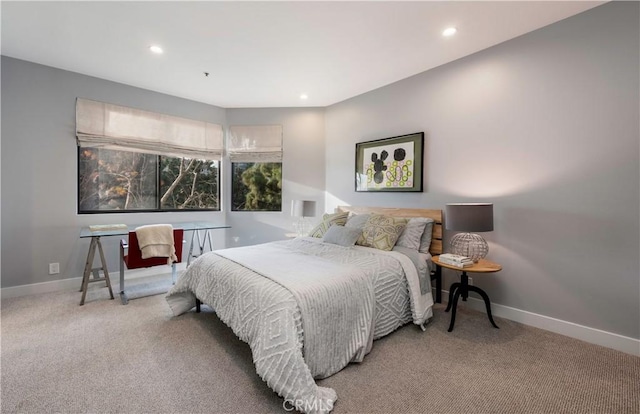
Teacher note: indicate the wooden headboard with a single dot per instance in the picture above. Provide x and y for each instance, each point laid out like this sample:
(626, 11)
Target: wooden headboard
(436, 215)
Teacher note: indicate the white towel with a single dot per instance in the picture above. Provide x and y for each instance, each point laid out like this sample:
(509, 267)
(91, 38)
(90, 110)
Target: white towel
(156, 240)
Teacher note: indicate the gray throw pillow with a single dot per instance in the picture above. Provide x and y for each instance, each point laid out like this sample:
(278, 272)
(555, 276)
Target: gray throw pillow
(425, 240)
(341, 235)
(410, 237)
(357, 221)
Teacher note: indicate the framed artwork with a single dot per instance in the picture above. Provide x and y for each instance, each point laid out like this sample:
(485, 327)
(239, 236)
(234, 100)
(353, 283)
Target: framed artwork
(390, 164)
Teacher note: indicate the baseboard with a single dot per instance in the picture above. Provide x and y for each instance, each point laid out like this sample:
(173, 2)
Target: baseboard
(570, 329)
(75, 282)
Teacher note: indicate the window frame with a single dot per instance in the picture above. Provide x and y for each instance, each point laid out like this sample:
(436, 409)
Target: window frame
(158, 208)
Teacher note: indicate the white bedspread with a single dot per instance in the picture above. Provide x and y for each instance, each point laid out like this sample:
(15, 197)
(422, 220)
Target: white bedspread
(294, 337)
(329, 294)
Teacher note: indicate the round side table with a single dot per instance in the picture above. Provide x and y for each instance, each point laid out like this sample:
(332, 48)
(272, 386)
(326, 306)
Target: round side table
(462, 288)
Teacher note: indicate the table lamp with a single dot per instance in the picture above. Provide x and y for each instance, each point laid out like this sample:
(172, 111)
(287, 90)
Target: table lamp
(301, 209)
(469, 218)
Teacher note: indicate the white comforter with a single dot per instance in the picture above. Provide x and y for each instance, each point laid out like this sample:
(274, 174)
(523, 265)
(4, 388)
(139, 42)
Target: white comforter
(306, 308)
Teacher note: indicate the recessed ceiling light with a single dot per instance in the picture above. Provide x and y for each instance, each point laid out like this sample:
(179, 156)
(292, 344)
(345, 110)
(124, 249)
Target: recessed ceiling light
(156, 49)
(304, 96)
(449, 31)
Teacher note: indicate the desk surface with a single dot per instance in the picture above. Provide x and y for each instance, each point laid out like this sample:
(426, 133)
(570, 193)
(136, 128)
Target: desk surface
(189, 225)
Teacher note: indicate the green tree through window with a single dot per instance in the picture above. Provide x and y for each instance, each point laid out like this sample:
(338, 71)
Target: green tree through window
(256, 186)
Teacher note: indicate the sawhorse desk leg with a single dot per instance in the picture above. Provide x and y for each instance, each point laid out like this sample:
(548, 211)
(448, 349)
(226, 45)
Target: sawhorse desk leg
(89, 269)
(201, 244)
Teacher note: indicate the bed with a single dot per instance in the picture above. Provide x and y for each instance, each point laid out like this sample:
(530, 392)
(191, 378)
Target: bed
(309, 306)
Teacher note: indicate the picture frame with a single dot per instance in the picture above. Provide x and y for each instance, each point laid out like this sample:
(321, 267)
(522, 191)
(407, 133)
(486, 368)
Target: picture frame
(392, 164)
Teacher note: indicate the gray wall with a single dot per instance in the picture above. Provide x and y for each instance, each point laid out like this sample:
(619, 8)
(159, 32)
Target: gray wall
(40, 224)
(302, 171)
(545, 126)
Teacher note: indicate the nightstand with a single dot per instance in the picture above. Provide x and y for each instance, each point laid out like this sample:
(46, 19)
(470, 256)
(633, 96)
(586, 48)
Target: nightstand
(462, 288)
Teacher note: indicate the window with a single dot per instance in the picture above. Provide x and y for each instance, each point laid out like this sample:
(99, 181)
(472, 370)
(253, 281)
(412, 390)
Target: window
(256, 186)
(121, 181)
(256, 167)
(133, 160)
(189, 184)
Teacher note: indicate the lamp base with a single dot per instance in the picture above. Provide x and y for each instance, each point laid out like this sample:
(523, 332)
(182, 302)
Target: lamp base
(300, 227)
(470, 245)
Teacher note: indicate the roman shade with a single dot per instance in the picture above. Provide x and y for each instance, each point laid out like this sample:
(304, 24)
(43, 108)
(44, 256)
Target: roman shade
(108, 126)
(255, 143)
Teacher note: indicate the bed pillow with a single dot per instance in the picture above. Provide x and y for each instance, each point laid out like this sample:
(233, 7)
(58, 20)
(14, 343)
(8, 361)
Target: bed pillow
(412, 234)
(381, 232)
(328, 220)
(425, 240)
(357, 221)
(341, 235)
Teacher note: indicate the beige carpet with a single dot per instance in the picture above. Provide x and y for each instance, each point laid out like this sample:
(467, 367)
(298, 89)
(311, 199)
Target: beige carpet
(107, 358)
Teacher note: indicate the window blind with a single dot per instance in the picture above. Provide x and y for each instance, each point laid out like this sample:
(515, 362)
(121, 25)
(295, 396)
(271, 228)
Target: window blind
(117, 127)
(255, 143)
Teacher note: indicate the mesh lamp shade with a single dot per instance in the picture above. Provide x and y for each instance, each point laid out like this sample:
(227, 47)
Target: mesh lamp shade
(469, 218)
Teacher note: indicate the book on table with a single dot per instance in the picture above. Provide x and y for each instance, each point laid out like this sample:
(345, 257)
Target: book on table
(455, 257)
(107, 227)
(456, 264)
(456, 260)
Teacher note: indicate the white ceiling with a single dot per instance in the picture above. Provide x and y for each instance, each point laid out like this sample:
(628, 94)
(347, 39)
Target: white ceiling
(264, 54)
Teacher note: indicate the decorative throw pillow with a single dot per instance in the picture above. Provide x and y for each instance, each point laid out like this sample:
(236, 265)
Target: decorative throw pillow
(425, 240)
(357, 221)
(327, 221)
(381, 232)
(341, 235)
(410, 237)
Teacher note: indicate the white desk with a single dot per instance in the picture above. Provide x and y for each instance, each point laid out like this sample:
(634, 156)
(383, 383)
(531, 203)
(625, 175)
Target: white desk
(198, 228)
